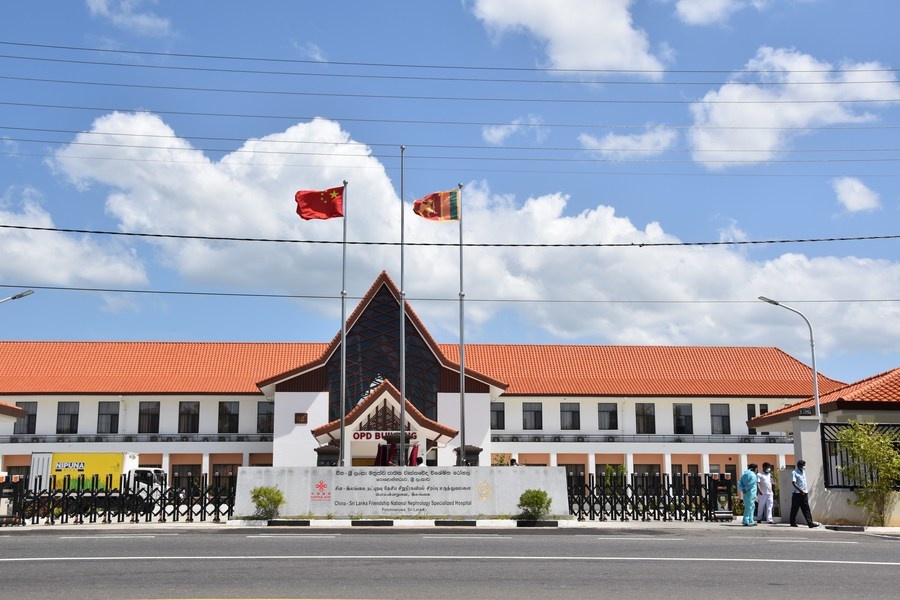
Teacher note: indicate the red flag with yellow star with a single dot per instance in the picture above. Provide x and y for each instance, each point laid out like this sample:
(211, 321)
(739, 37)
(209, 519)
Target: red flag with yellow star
(320, 204)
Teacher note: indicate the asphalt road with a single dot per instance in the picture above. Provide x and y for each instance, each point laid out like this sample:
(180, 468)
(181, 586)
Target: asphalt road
(644, 562)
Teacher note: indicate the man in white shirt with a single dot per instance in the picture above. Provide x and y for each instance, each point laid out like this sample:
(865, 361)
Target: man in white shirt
(766, 494)
(799, 499)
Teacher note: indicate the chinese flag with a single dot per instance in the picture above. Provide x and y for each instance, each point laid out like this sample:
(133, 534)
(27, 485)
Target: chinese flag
(320, 204)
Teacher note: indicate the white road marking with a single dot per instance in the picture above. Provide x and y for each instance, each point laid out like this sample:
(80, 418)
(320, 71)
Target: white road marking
(437, 557)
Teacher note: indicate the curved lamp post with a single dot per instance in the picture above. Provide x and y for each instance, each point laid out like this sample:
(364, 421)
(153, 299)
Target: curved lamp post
(17, 296)
(812, 348)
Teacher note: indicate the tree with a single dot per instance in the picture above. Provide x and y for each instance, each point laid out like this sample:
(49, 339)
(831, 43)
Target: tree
(873, 466)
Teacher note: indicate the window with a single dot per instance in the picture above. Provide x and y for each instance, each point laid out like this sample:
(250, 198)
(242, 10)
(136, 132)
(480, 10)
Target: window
(189, 417)
(684, 419)
(721, 421)
(26, 424)
(265, 417)
(108, 417)
(67, 417)
(228, 417)
(608, 415)
(498, 415)
(148, 417)
(532, 415)
(570, 415)
(645, 417)
(751, 412)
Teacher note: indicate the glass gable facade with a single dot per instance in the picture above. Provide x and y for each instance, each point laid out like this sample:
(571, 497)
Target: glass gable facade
(373, 351)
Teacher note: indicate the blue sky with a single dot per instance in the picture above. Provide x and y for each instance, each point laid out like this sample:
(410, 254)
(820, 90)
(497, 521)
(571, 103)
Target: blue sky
(620, 161)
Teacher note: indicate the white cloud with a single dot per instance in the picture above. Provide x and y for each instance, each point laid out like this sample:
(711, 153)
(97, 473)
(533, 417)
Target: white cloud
(180, 191)
(52, 258)
(527, 126)
(655, 140)
(704, 12)
(312, 51)
(125, 14)
(577, 34)
(754, 122)
(854, 196)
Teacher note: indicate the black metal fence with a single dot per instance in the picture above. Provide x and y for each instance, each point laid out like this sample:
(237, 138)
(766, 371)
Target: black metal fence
(94, 500)
(705, 497)
(835, 457)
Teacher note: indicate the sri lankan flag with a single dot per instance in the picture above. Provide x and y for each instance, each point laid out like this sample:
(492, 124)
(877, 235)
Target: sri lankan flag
(439, 206)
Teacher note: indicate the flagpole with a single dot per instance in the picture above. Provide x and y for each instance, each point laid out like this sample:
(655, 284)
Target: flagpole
(402, 459)
(462, 347)
(344, 445)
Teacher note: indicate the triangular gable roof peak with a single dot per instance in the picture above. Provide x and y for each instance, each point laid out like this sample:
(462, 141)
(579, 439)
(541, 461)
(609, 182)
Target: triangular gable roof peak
(358, 411)
(384, 281)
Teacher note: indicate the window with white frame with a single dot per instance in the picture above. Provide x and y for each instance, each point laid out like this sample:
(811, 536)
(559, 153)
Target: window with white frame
(108, 417)
(67, 417)
(645, 417)
(720, 418)
(684, 418)
(265, 417)
(532, 415)
(189, 417)
(148, 417)
(498, 415)
(26, 425)
(228, 417)
(570, 415)
(608, 415)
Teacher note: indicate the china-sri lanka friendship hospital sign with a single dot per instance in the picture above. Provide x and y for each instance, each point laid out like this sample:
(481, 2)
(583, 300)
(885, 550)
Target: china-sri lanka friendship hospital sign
(401, 491)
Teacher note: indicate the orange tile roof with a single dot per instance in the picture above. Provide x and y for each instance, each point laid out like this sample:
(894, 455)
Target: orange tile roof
(643, 370)
(145, 367)
(237, 368)
(11, 410)
(879, 392)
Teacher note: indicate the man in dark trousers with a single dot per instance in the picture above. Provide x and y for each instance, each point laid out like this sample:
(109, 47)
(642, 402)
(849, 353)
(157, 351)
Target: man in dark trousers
(800, 497)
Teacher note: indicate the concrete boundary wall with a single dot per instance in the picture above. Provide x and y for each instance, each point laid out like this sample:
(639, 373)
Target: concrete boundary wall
(401, 491)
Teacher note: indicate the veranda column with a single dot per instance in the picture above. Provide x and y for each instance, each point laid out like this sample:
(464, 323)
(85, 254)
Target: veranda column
(667, 463)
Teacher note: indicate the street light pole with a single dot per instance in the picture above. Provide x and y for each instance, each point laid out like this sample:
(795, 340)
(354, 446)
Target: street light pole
(17, 296)
(812, 348)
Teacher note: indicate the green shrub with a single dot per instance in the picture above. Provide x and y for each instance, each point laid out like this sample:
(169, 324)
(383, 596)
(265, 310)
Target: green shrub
(268, 500)
(534, 504)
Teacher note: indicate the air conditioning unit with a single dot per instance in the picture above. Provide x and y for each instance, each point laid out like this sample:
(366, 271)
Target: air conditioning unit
(536, 438)
(772, 440)
(610, 438)
(746, 440)
(515, 438)
(557, 438)
(580, 438)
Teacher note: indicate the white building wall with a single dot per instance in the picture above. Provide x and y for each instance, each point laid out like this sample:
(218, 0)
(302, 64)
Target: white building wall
(294, 444)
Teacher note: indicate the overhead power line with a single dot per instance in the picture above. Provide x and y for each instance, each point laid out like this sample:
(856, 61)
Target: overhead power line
(432, 299)
(467, 244)
(506, 99)
(405, 65)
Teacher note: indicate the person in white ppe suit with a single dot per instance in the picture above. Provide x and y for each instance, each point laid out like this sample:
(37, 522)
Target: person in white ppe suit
(765, 494)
